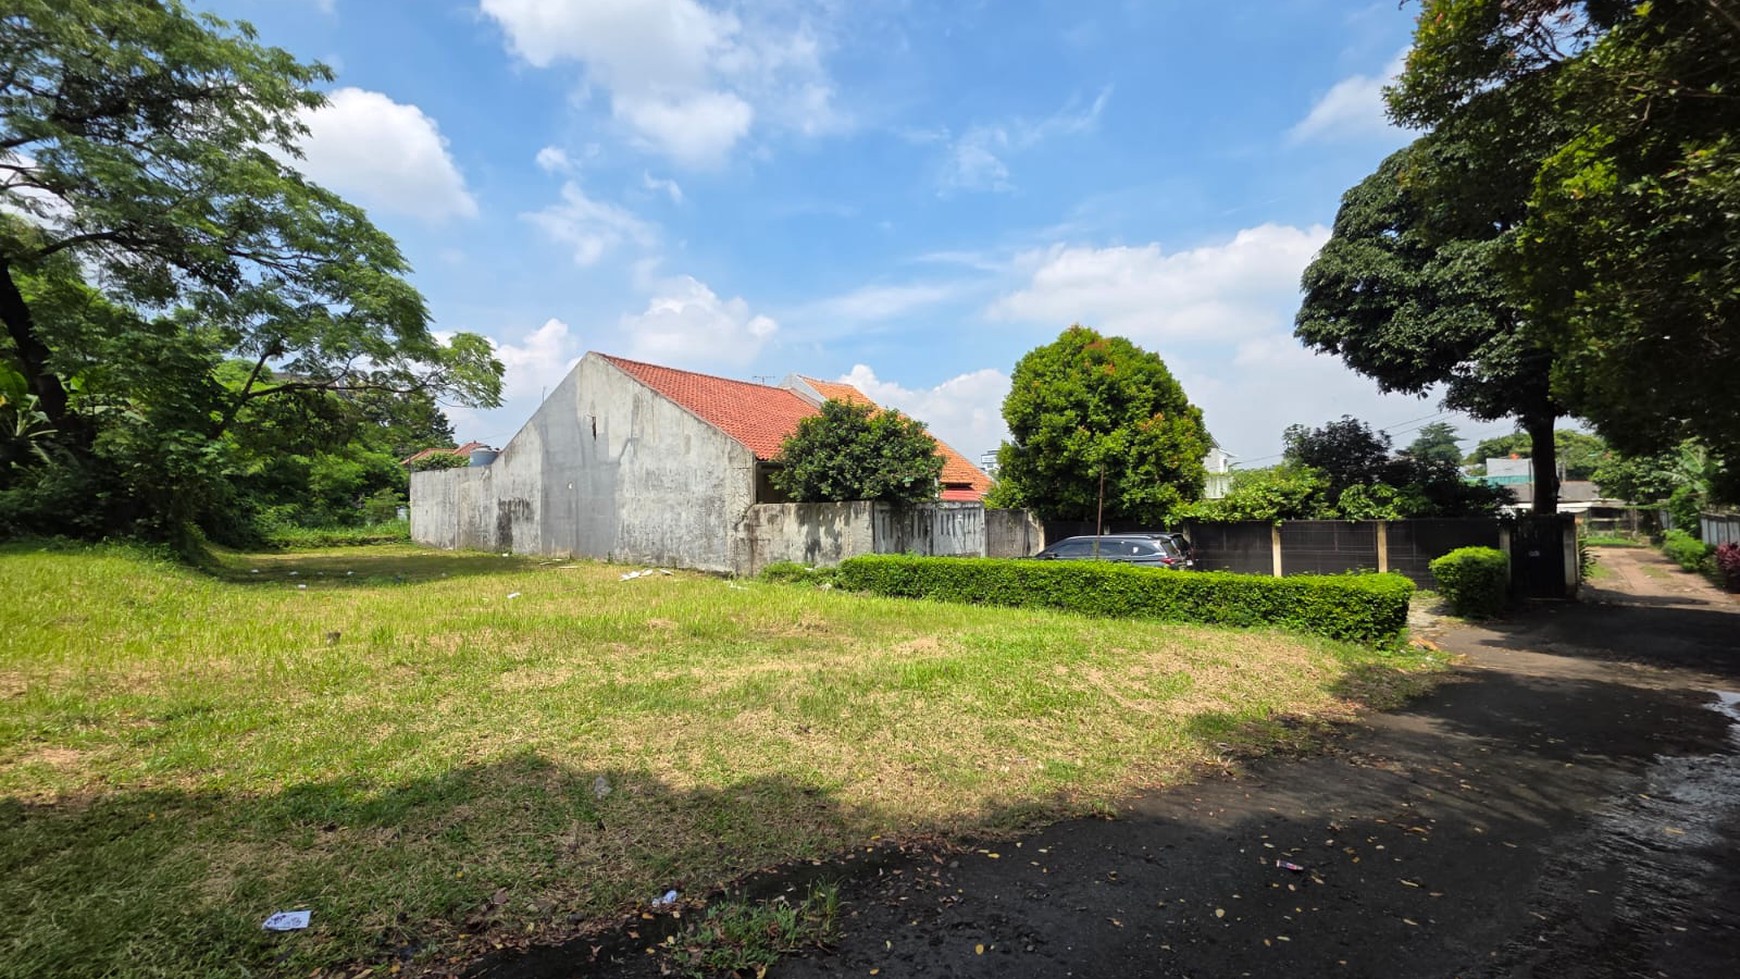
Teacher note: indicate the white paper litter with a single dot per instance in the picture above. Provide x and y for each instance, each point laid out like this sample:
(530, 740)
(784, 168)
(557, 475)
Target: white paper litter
(666, 899)
(287, 921)
(303, 587)
(513, 594)
(630, 576)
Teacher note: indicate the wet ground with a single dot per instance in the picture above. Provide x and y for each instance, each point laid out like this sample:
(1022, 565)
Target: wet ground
(1567, 805)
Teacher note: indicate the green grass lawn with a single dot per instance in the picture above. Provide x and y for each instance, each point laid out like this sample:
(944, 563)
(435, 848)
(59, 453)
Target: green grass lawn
(440, 752)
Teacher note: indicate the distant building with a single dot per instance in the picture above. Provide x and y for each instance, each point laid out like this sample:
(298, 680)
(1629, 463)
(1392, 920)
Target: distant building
(635, 462)
(1218, 462)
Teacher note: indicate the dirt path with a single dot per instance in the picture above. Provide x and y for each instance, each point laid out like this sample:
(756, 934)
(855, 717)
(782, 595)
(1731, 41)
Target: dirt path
(1568, 805)
(1642, 576)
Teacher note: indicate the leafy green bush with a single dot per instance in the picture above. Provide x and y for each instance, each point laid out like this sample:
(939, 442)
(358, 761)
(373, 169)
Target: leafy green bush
(1368, 608)
(1684, 508)
(1475, 580)
(1685, 550)
(788, 572)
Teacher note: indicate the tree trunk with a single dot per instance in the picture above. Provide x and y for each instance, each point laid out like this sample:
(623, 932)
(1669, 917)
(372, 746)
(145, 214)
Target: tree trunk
(32, 352)
(1545, 460)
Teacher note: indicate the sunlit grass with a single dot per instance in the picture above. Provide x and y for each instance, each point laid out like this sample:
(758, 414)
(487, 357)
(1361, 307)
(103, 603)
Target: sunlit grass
(430, 750)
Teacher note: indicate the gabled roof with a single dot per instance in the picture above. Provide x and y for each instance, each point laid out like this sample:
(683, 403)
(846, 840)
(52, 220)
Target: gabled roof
(756, 415)
(960, 478)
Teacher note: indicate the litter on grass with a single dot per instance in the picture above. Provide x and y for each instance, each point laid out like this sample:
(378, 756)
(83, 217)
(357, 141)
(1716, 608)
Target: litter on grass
(287, 921)
(513, 594)
(665, 900)
(630, 576)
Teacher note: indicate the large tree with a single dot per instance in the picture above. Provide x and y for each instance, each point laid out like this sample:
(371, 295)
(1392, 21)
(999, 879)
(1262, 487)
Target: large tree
(1628, 264)
(853, 451)
(1094, 417)
(1411, 290)
(144, 148)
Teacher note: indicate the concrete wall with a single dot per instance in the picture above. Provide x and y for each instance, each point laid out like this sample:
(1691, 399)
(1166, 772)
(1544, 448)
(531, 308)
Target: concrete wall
(816, 534)
(934, 530)
(1013, 533)
(824, 534)
(606, 468)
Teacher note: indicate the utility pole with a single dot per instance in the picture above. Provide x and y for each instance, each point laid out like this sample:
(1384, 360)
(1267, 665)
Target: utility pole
(1100, 514)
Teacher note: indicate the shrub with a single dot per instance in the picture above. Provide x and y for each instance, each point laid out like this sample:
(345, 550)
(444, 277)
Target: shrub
(1369, 608)
(1684, 508)
(789, 572)
(1728, 564)
(1474, 580)
(1684, 550)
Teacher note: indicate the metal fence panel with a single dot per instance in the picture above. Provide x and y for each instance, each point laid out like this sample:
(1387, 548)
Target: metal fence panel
(1246, 546)
(1719, 528)
(1328, 546)
(1415, 544)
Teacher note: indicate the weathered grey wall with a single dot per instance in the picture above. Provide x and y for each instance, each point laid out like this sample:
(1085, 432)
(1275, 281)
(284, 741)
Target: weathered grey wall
(1013, 533)
(606, 468)
(816, 534)
(824, 534)
(934, 529)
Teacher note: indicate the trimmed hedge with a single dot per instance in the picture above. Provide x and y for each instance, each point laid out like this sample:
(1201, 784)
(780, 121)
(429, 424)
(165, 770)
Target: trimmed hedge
(1367, 608)
(1475, 580)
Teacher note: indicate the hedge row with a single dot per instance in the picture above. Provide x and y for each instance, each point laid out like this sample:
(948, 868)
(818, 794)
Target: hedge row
(1474, 580)
(1368, 608)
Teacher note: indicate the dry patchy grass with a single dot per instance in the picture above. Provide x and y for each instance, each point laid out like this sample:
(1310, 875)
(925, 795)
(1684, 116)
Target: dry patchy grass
(424, 748)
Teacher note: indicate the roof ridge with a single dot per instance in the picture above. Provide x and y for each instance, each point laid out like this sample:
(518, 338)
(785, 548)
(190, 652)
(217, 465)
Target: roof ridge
(613, 358)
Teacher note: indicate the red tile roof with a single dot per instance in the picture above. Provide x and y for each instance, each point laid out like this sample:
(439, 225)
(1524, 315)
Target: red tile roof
(756, 415)
(957, 471)
(463, 450)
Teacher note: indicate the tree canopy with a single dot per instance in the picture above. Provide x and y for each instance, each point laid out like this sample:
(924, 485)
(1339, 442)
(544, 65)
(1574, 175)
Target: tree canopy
(1411, 290)
(1436, 443)
(149, 150)
(1086, 411)
(856, 451)
(1626, 263)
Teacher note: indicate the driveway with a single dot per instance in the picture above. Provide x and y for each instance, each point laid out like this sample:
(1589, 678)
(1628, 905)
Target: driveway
(1568, 804)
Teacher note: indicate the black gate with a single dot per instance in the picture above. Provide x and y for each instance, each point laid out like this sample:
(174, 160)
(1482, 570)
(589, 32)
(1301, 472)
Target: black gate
(1537, 556)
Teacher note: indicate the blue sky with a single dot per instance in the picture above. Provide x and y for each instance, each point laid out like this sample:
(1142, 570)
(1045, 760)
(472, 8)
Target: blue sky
(906, 195)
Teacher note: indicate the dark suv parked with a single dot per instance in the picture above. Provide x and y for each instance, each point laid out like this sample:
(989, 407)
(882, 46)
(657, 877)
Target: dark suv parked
(1140, 549)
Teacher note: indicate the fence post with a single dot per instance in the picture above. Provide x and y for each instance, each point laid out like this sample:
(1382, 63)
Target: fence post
(1383, 545)
(1275, 546)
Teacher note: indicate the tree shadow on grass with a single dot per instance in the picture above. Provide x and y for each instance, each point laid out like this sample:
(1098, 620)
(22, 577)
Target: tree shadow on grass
(434, 870)
(363, 566)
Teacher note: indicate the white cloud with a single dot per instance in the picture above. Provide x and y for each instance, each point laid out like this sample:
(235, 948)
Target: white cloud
(876, 303)
(669, 188)
(591, 227)
(554, 159)
(385, 155)
(975, 161)
(1352, 109)
(689, 81)
(1271, 381)
(1228, 290)
(965, 411)
(687, 324)
(538, 362)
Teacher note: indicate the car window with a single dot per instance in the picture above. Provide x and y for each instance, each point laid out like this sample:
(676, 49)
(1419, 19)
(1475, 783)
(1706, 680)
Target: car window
(1139, 549)
(1073, 548)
